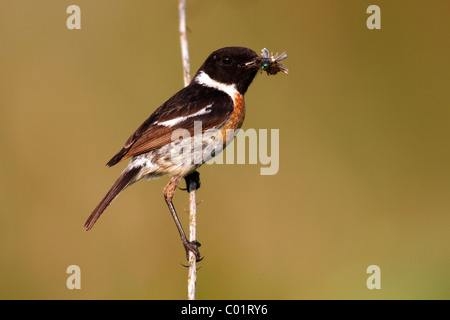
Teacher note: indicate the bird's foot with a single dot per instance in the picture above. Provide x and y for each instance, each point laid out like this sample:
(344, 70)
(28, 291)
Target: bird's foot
(192, 246)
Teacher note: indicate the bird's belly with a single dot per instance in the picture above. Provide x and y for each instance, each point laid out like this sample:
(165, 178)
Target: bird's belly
(180, 157)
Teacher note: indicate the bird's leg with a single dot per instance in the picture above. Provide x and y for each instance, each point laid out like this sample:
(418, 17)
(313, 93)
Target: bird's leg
(169, 191)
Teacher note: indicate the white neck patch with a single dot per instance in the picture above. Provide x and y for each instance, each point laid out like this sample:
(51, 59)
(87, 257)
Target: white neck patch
(206, 80)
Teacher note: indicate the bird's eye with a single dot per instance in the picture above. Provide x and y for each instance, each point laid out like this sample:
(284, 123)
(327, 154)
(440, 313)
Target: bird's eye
(226, 59)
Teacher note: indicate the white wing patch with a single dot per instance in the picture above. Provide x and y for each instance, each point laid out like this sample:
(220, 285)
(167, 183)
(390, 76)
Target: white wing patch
(174, 121)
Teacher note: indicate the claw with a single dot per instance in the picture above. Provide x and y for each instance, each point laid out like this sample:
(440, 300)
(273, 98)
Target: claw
(193, 247)
(192, 177)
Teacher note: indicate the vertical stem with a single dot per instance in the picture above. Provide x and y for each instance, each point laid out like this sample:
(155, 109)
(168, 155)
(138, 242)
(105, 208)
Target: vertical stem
(192, 275)
(184, 42)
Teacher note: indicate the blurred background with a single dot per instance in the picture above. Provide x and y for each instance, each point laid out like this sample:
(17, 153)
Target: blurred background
(364, 176)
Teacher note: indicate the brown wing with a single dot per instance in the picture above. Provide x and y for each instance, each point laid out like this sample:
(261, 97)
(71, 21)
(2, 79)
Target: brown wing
(179, 112)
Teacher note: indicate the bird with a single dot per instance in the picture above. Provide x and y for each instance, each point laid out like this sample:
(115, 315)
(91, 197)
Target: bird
(187, 130)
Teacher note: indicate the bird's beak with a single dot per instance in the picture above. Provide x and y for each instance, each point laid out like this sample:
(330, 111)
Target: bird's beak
(255, 63)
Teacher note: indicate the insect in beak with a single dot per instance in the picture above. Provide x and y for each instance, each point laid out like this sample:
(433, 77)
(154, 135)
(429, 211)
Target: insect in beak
(269, 63)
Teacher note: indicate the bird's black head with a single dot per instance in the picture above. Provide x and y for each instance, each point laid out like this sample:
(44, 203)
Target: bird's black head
(232, 66)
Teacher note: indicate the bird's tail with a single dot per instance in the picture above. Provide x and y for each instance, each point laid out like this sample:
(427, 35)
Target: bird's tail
(124, 180)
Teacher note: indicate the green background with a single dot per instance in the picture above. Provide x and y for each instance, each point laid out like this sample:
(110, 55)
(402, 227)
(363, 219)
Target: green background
(364, 177)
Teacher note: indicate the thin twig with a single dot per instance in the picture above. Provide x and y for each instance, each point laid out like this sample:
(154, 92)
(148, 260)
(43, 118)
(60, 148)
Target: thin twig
(192, 275)
(184, 42)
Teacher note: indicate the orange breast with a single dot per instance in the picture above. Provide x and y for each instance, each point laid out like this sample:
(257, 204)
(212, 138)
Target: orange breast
(236, 118)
